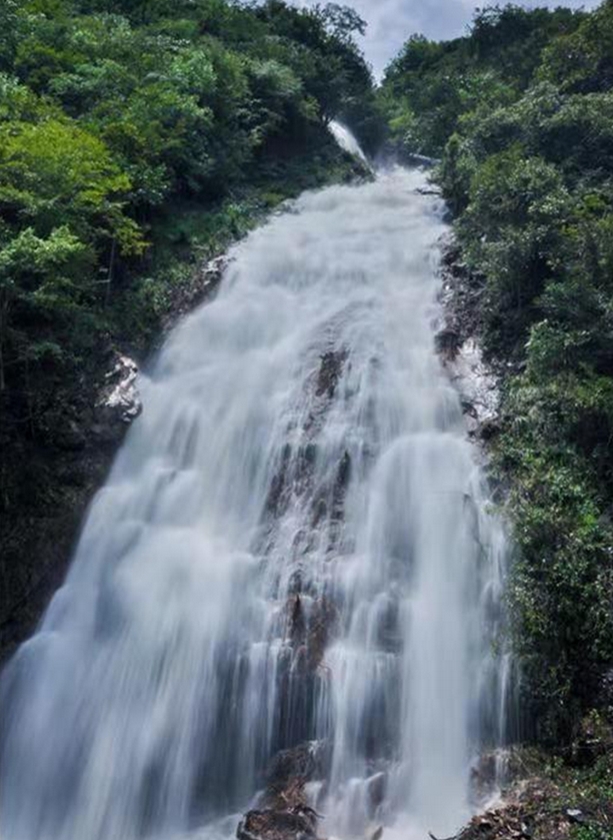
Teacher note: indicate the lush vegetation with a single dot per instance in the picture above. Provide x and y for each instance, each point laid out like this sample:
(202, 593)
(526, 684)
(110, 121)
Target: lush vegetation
(138, 137)
(521, 113)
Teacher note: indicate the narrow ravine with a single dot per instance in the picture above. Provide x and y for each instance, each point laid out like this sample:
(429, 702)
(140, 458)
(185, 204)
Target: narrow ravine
(292, 560)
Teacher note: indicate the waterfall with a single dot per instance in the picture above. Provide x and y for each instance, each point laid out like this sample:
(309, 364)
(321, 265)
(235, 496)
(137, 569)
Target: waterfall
(347, 141)
(294, 547)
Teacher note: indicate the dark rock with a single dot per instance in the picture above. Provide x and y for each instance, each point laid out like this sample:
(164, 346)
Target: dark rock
(489, 429)
(283, 812)
(330, 371)
(377, 790)
(297, 823)
(202, 286)
(448, 342)
(118, 403)
(302, 763)
(310, 634)
(458, 345)
(71, 437)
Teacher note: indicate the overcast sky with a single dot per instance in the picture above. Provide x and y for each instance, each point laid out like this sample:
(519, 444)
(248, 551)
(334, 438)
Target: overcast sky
(391, 22)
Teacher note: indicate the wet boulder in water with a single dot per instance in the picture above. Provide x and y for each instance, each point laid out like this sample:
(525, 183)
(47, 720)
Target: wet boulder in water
(330, 371)
(119, 402)
(377, 787)
(284, 812)
(310, 633)
(298, 822)
(448, 343)
(303, 763)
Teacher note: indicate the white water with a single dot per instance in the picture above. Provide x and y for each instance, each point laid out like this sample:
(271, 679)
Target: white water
(347, 141)
(299, 439)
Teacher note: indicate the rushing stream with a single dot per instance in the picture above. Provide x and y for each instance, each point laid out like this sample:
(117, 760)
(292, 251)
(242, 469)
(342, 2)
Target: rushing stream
(293, 546)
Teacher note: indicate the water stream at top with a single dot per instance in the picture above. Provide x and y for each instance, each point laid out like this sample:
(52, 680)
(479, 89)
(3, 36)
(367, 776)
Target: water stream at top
(293, 546)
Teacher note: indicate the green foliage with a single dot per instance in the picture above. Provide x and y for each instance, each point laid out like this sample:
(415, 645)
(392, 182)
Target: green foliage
(44, 297)
(527, 166)
(54, 170)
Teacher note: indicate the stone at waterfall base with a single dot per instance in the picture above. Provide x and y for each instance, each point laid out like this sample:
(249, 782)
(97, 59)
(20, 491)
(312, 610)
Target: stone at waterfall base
(283, 811)
(296, 823)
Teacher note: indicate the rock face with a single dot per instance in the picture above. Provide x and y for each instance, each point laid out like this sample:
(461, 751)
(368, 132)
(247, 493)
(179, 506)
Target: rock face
(459, 348)
(90, 423)
(203, 284)
(118, 403)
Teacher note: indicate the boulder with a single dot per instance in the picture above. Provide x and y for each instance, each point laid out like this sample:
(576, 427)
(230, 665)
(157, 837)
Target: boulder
(118, 403)
(330, 371)
(296, 823)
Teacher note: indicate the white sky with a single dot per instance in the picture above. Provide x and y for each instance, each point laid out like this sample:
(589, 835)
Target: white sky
(391, 22)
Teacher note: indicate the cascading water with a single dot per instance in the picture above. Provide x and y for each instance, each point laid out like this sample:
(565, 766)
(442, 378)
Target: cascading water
(347, 141)
(293, 547)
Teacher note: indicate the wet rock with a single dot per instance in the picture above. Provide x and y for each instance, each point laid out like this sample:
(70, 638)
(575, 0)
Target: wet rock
(376, 788)
(302, 763)
(415, 159)
(277, 494)
(297, 621)
(297, 823)
(283, 812)
(483, 776)
(448, 343)
(201, 286)
(458, 346)
(477, 385)
(309, 633)
(330, 371)
(489, 429)
(321, 628)
(118, 403)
